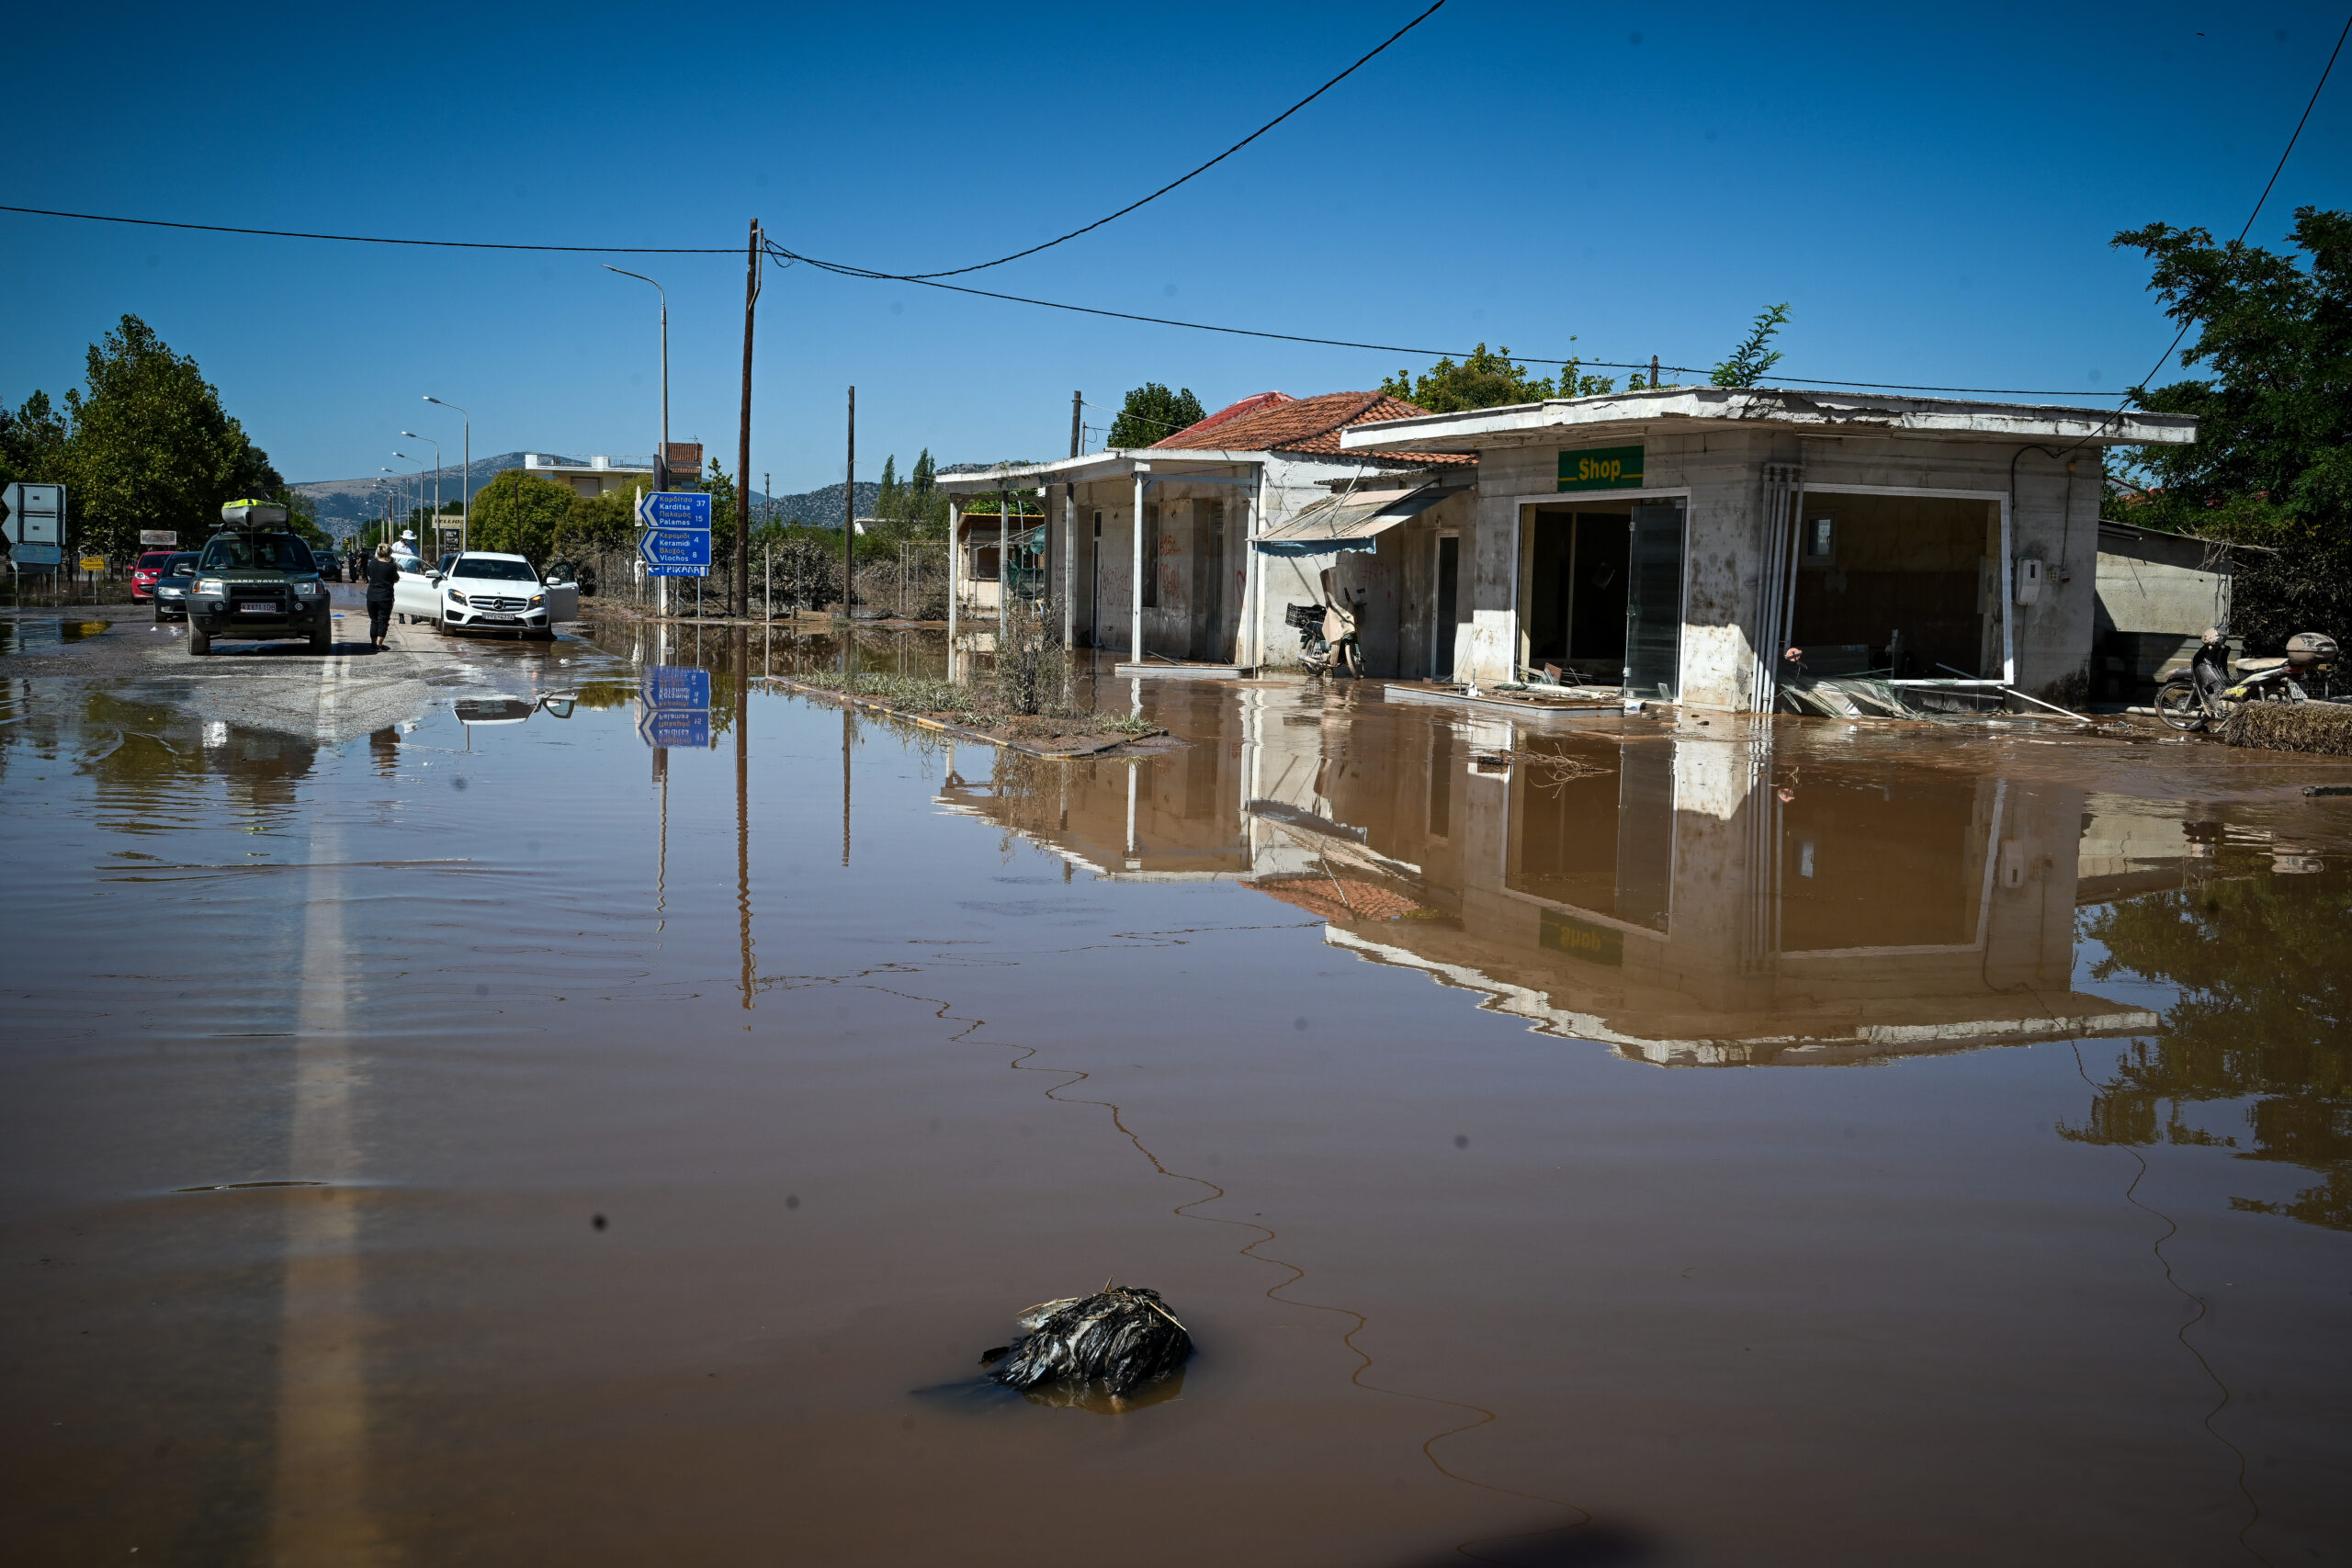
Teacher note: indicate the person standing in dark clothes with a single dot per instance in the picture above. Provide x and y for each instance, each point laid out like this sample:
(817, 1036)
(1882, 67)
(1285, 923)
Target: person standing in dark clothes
(381, 575)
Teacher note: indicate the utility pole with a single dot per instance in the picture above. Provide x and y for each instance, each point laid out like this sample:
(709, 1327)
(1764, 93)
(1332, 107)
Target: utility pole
(743, 433)
(848, 535)
(1069, 531)
(1653, 372)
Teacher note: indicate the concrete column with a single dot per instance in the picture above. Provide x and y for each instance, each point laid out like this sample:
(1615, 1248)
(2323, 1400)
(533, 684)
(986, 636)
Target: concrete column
(954, 578)
(1134, 588)
(1068, 563)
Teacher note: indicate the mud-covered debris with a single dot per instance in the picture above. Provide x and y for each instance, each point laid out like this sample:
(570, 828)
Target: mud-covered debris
(1120, 1339)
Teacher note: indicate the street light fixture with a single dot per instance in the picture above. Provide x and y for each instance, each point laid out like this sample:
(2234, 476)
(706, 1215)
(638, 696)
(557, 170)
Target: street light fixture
(662, 456)
(465, 477)
(412, 436)
(419, 477)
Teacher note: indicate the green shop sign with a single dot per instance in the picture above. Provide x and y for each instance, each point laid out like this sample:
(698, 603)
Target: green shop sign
(1601, 468)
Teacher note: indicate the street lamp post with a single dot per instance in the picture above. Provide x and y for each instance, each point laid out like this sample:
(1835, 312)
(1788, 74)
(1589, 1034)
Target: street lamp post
(412, 436)
(465, 478)
(662, 456)
(434, 544)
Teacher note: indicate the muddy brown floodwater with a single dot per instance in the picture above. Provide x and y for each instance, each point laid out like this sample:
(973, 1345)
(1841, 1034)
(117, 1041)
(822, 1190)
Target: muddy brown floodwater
(489, 1140)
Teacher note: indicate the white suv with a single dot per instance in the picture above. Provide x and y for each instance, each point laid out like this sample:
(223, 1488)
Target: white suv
(482, 591)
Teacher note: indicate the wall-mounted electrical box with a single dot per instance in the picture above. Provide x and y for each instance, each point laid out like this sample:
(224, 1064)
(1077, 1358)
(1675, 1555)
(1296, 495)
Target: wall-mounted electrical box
(2029, 579)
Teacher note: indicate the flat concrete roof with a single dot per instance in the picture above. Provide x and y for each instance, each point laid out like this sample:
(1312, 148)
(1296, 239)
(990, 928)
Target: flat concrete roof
(1670, 409)
(1117, 463)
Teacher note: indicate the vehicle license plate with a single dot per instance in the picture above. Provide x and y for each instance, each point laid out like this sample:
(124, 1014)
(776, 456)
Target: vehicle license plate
(254, 607)
(506, 619)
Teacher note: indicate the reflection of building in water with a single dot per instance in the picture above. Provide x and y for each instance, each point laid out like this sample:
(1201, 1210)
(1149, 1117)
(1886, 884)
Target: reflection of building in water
(1654, 892)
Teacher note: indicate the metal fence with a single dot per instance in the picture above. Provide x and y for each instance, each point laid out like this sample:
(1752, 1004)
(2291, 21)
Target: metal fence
(908, 582)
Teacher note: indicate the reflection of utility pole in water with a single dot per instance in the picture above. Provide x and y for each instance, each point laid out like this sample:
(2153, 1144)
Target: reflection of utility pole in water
(662, 785)
(742, 807)
(848, 720)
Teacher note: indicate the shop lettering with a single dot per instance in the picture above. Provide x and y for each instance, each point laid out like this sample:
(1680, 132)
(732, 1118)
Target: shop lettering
(1605, 467)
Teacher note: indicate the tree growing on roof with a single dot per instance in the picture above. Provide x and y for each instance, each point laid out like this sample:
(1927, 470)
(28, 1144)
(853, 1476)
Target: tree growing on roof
(1152, 413)
(1754, 357)
(2272, 463)
(1487, 380)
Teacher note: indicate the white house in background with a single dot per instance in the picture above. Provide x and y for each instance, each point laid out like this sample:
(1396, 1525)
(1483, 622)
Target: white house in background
(589, 476)
(1241, 514)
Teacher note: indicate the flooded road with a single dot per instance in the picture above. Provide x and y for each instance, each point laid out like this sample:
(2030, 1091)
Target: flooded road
(485, 1138)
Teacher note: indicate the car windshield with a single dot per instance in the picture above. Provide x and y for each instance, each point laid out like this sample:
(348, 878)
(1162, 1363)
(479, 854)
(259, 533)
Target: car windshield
(181, 565)
(491, 568)
(152, 559)
(270, 552)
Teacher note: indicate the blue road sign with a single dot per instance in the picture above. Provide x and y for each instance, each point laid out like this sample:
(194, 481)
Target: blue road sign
(675, 509)
(687, 548)
(674, 686)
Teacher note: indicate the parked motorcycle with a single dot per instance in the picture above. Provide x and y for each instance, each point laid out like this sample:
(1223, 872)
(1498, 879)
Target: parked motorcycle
(1327, 637)
(2215, 684)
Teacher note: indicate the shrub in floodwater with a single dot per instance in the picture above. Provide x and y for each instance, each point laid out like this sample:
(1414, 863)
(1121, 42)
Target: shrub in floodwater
(1031, 666)
(1120, 1339)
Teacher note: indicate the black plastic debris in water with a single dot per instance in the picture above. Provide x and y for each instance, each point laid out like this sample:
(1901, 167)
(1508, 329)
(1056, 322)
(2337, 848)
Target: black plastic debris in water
(1120, 1339)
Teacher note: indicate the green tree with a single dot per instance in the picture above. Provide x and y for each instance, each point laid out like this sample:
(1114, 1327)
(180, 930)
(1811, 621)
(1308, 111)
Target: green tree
(598, 525)
(145, 444)
(1489, 378)
(1152, 413)
(518, 514)
(2272, 462)
(1754, 357)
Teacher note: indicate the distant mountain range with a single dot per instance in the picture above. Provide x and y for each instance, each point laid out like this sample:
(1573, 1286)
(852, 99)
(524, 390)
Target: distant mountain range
(346, 504)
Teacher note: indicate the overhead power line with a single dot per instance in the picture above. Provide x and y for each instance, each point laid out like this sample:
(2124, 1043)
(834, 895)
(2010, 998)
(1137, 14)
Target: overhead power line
(383, 240)
(2280, 167)
(782, 254)
(1212, 163)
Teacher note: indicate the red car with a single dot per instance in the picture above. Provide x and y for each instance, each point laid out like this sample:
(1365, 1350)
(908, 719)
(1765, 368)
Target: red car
(143, 575)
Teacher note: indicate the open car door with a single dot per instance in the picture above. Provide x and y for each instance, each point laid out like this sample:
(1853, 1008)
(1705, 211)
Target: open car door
(417, 594)
(563, 588)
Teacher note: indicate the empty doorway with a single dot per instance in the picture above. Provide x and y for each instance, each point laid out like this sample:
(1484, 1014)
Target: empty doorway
(1445, 613)
(1573, 589)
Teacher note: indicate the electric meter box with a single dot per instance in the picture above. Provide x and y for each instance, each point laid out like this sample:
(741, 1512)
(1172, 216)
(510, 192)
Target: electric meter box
(2029, 579)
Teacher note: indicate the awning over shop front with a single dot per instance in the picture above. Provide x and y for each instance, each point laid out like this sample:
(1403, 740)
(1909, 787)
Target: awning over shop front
(1349, 522)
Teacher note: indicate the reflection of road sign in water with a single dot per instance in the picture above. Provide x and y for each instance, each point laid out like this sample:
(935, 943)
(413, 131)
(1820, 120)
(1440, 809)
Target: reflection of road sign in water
(670, 728)
(674, 686)
(674, 705)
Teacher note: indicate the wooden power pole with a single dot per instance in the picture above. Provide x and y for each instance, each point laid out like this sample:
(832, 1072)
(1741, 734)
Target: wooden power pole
(742, 594)
(849, 526)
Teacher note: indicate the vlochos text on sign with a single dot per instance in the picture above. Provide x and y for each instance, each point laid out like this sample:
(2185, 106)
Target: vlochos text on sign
(1601, 468)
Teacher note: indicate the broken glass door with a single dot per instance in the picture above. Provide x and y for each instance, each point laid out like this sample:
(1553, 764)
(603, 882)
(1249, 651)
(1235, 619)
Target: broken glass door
(1654, 602)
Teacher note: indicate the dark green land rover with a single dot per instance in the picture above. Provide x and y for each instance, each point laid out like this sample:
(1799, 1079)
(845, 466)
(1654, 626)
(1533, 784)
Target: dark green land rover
(254, 584)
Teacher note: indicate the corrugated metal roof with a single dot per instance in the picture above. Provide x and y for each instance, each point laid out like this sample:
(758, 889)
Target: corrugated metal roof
(1349, 522)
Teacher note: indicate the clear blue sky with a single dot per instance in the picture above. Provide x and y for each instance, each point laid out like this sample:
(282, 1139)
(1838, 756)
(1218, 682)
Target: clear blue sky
(1933, 189)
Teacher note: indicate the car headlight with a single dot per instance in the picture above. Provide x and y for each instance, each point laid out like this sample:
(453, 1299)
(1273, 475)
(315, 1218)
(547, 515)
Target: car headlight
(211, 585)
(307, 589)
(456, 597)
(539, 599)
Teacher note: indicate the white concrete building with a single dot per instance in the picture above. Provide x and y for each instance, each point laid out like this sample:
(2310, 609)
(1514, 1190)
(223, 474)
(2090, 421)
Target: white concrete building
(1682, 538)
(589, 476)
(1237, 519)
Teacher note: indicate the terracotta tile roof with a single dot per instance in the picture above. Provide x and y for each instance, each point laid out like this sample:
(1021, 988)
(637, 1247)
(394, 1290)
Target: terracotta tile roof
(1250, 404)
(1306, 424)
